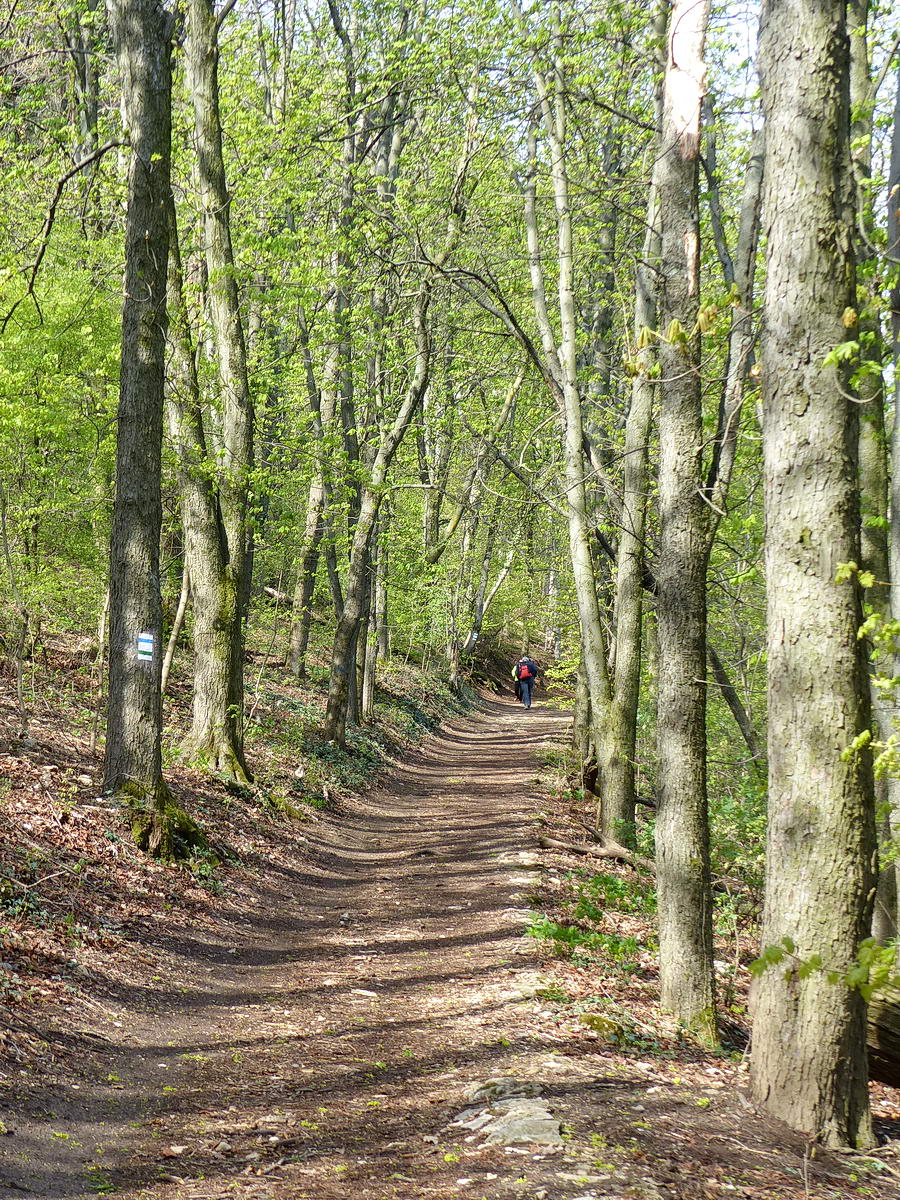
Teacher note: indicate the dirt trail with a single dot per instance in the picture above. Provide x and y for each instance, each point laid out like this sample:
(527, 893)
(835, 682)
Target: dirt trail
(322, 1047)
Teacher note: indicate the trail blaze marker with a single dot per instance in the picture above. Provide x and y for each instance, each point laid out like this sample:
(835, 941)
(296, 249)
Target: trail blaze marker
(145, 647)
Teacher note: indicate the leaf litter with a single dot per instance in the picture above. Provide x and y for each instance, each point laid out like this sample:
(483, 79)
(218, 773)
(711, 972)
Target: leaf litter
(312, 1025)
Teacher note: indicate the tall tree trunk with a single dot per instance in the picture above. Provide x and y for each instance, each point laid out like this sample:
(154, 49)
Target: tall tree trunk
(618, 807)
(617, 814)
(873, 442)
(560, 369)
(682, 825)
(206, 546)
(809, 1042)
(382, 622)
(142, 32)
(301, 617)
(370, 643)
(893, 229)
(356, 587)
(217, 733)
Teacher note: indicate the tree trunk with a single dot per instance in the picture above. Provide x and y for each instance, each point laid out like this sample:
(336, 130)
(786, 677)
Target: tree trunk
(356, 587)
(142, 32)
(739, 274)
(617, 810)
(206, 544)
(177, 626)
(85, 40)
(682, 824)
(382, 624)
(617, 816)
(884, 1037)
(301, 617)
(873, 444)
(217, 733)
(484, 601)
(740, 714)
(893, 229)
(370, 644)
(561, 370)
(809, 1042)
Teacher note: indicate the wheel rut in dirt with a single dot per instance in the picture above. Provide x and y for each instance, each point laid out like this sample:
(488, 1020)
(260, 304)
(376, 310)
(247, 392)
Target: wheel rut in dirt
(320, 1044)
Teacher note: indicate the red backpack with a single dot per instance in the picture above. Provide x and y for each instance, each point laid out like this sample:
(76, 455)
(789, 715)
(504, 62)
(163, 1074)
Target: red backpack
(524, 671)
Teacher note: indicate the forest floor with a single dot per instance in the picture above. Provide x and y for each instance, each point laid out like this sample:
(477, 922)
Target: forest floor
(319, 1028)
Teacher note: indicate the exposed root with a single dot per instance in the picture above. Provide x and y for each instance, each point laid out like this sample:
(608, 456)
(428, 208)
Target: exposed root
(160, 827)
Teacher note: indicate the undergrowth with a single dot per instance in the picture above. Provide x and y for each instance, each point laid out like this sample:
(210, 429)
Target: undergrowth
(579, 927)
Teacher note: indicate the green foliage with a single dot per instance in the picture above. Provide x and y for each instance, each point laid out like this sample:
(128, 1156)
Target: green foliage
(873, 971)
(586, 945)
(598, 893)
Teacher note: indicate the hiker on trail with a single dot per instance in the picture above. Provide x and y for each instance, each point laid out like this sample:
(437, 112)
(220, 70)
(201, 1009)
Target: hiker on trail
(525, 674)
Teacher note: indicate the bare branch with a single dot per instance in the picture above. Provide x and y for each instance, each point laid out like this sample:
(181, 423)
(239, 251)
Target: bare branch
(33, 269)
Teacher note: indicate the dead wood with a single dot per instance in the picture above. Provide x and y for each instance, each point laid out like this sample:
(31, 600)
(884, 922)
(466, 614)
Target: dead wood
(605, 849)
(884, 1037)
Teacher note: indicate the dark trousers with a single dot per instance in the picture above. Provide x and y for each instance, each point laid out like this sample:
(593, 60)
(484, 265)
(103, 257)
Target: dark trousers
(525, 686)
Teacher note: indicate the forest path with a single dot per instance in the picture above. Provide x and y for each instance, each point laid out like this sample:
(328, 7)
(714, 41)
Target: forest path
(323, 1049)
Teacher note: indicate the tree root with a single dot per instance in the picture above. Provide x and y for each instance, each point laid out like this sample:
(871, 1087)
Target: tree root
(161, 828)
(604, 849)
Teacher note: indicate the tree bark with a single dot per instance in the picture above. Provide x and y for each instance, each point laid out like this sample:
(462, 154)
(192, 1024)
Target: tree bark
(301, 617)
(142, 32)
(809, 1043)
(893, 231)
(873, 443)
(617, 813)
(682, 824)
(217, 733)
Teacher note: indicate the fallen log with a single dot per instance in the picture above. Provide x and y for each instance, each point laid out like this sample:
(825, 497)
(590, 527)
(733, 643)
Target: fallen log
(884, 1037)
(607, 848)
(603, 850)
